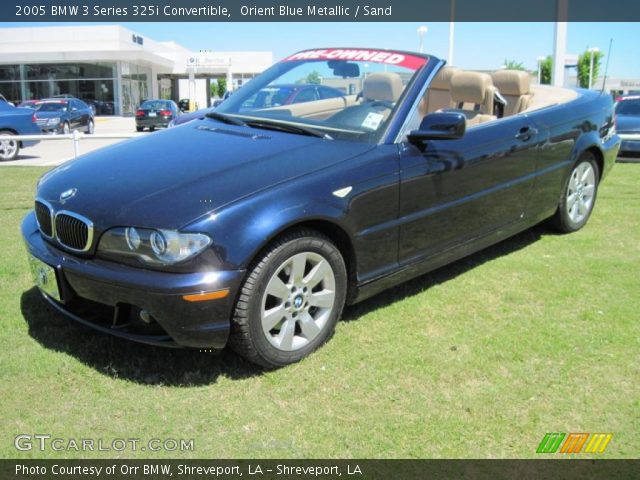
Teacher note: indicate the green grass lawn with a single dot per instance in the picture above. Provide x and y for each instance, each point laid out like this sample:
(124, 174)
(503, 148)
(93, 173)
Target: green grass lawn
(538, 334)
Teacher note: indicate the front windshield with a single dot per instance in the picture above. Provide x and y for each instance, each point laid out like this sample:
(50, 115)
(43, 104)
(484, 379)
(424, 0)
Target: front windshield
(52, 107)
(347, 94)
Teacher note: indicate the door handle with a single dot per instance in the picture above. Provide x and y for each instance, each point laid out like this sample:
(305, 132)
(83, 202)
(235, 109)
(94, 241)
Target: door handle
(526, 133)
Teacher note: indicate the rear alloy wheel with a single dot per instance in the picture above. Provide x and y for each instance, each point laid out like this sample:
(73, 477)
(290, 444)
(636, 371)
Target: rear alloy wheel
(579, 195)
(91, 128)
(8, 148)
(291, 301)
(65, 128)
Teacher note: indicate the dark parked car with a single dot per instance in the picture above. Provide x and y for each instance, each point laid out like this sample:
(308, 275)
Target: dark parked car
(253, 227)
(277, 95)
(183, 104)
(155, 113)
(63, 115)
(15, 121)
(101, 108)
(628, 124)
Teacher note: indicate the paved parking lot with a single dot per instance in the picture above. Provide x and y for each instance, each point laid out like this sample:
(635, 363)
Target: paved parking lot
(55, 152)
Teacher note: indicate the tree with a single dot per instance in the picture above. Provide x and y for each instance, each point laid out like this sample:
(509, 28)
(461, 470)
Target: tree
(222, 87)
(313, 78)
(513, 65)
(584, 67)
(545, 70)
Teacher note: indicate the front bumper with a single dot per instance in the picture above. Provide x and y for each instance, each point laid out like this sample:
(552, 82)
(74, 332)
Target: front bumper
(630, 144)
(109, 297)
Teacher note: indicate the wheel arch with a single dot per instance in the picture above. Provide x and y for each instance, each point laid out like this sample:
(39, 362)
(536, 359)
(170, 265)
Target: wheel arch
(599, 157)
(12, 130)
(332, 230)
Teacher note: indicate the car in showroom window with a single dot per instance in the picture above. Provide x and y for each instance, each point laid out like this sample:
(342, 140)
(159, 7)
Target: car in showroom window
(335, 174)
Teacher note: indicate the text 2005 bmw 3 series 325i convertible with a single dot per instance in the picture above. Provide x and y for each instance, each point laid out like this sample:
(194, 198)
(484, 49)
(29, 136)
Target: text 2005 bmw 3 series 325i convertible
(254, 225)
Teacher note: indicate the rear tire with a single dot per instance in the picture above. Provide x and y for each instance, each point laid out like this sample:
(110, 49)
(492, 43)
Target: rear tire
(578, 195)
(9, 149)
(139, 129)
(91, 127)
(290, 301)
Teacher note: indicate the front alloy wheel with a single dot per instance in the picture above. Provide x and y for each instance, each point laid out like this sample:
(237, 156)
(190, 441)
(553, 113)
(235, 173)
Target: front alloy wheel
(291, 300)
(298, 301)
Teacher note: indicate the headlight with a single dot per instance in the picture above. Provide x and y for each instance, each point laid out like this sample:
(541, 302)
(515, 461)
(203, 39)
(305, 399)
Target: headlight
(153, 247)
(53, 121)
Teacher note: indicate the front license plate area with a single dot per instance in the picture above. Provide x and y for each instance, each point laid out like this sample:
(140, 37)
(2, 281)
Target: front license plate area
(44, 276)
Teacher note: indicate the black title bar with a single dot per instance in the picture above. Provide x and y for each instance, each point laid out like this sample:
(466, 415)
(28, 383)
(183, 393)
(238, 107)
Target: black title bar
(319, 10)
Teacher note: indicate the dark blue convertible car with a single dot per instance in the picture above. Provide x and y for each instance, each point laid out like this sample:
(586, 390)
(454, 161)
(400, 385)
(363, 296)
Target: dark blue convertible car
(254, 227)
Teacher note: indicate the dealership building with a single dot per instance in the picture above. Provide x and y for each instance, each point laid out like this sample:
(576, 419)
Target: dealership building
(114, 68)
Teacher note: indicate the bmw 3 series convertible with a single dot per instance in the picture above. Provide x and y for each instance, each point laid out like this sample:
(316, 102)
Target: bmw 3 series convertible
(252, 227)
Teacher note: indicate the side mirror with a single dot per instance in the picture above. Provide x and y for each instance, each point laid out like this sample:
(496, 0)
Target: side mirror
(439, 126)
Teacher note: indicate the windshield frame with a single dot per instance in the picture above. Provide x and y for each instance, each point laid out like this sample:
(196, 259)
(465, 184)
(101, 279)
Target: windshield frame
(231, 106)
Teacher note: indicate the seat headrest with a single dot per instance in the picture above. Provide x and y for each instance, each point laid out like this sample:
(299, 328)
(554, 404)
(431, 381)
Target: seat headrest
(384, 86)
(470, 87)
(512, 82)
(442, 80)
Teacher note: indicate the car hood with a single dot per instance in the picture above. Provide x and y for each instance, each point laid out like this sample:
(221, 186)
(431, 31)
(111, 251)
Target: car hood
(628, 123)
(168, 179)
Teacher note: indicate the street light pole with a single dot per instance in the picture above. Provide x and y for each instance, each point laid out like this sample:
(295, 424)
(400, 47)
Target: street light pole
(422, 30)
(451, 32)
(540, 60)
(592, 50)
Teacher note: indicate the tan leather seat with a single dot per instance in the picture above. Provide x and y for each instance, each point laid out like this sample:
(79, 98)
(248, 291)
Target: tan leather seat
(473, 94)
(438, 95)
(515, 87)
(382, 86)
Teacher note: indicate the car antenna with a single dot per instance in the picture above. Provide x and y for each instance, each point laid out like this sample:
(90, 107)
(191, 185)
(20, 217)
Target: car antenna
(606, 68)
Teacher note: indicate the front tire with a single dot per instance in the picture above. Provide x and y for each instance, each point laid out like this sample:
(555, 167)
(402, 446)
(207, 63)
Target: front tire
(578, 196)
(139, 129)
(291, 300)
(66, 129)
(9, 148)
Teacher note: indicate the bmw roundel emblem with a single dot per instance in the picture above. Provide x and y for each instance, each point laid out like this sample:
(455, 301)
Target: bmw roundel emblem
(67, 194)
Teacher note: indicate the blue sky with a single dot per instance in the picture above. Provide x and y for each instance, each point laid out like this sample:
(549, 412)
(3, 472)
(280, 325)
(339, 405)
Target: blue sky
(477, 45)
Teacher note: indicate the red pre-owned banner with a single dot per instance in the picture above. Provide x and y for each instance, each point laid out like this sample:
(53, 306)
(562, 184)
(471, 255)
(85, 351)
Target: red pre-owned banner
(374, 56)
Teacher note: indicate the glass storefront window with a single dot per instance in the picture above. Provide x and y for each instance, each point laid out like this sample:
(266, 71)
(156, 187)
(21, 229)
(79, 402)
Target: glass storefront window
(93, 83)
(68, 71)
(135, 86)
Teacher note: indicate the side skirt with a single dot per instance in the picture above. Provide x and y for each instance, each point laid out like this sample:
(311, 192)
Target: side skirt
(413, 270)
